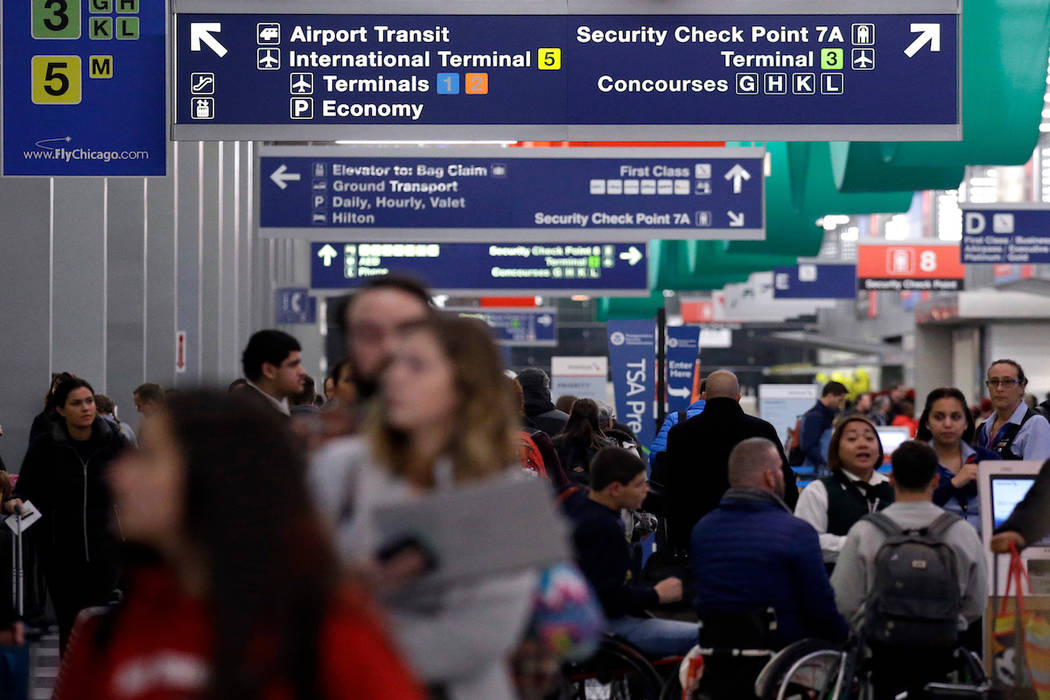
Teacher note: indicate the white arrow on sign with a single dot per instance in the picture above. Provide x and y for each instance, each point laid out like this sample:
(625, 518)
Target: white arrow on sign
(200, 33)
(327, 253)
(682, 393)
(281, 177)
(545, 320)
(738, 174)
(632, 255)
(736, 220)
(928, 34)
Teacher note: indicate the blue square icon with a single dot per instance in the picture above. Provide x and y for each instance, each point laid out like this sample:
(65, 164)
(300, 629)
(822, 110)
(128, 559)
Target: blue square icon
(448, 83)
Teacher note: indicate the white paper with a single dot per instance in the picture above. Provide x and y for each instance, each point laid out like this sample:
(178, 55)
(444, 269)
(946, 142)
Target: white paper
(29, 516)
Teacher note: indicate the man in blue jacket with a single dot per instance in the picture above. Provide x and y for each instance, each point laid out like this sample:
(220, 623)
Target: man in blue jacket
(751, 553)
(816, 424)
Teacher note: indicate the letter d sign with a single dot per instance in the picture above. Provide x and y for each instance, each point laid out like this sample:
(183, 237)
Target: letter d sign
(974, 223)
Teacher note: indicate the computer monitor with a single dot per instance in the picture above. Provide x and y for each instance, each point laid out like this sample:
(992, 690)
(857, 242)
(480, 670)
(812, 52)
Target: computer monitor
(891, 437)
(1001, 486)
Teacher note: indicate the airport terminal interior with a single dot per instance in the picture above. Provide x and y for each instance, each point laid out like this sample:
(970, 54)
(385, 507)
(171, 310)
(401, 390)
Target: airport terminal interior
(573, 349)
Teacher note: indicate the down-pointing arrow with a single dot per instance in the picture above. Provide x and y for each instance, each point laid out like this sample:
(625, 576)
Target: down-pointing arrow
(281, 177)
(327, 254)
(200, 32)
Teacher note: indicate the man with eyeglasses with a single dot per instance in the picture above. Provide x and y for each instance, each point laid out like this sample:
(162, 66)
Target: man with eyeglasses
(1014, 431)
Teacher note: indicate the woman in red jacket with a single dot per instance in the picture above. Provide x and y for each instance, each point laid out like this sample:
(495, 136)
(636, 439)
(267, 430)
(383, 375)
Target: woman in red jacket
(244, 600)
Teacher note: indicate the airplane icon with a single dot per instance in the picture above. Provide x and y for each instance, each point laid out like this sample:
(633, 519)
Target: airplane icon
(863, 59)
(302, 83)
(269, 59)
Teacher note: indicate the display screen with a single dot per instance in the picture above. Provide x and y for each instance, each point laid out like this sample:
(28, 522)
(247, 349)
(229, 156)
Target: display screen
(1007, 492)
(891, 438)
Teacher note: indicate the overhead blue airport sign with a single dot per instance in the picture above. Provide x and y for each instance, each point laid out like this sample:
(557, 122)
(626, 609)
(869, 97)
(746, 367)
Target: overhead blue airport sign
(558, 269)
(812, 280)
(536, 327)
(574, 70)
(1006, 233)
(498, 194)
(294, 305)
(84, 87)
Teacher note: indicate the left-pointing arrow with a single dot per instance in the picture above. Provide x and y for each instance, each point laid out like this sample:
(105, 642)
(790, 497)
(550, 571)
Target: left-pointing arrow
(200, 33)
(281, 177)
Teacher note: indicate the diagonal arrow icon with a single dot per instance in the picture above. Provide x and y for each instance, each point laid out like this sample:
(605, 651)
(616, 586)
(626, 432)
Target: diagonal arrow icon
(736, 219)
(928, 34)
(200, 33)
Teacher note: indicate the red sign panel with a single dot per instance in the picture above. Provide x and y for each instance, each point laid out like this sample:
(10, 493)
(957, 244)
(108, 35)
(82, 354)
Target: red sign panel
(698, 312)
(904, 266)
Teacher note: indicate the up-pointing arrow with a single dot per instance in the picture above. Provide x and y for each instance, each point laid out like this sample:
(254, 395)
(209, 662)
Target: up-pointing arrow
(736, 219)
(632, 255)
(738, 174)
(327, 254)
(200, 32)
(928, 34)
(281, 177)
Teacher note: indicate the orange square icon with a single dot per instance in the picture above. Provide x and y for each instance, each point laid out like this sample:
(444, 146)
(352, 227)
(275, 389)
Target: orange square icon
(477, 84)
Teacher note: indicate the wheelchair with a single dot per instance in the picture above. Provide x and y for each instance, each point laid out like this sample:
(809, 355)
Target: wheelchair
(815, 670)
(617, 671)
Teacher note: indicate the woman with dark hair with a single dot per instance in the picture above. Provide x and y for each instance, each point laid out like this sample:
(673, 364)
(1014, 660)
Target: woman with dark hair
(1014, 431)
(948, 426)
(243, 599)
(580, 440)
(832, 505)
(444, 422)
(64, 476)
(42, 422)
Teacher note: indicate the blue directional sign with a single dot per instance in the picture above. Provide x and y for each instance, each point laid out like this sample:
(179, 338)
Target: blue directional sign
(643, 69)
(294, 305)
(525, 327)
(560, 269)
(491, 194)
(84, 87)
(811, 280)
(1006, 233)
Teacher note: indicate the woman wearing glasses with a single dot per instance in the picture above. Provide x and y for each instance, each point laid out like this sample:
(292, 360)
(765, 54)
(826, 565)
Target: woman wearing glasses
(1014, 431)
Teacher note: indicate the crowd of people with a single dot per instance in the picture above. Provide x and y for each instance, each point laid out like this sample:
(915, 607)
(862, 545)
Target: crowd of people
(267, 541)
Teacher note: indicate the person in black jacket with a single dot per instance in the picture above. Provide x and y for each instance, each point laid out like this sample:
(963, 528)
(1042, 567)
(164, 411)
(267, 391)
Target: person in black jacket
(540, 413)
(64, 476)
(698, 456)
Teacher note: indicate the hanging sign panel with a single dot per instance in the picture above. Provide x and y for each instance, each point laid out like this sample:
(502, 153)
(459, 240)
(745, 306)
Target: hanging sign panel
(561, 269)
(1015, 233)
(575, 70)
(896, 266)
(536, 327)
(493, 194)
(84, 87)
(812, 280)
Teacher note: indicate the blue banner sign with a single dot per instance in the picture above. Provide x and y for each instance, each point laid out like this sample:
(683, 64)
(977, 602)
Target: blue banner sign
(683, 347)
(640, 70)
(492, 194)
(294, 305)
(84, 87)
(632, 357)
(1006, 234)
(526, 327)
(561, 269)
(810, 280)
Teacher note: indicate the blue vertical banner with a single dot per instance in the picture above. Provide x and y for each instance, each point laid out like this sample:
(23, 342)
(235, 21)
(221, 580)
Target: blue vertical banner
(683, 347)
(632, 357)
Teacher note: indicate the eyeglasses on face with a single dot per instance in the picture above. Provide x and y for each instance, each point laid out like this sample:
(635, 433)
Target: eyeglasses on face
(1002, 382)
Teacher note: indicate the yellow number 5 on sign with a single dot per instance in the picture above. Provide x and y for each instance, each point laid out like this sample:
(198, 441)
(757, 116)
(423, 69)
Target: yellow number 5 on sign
(56, 80)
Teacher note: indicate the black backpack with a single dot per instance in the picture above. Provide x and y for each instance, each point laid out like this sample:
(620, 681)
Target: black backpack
(914, 599)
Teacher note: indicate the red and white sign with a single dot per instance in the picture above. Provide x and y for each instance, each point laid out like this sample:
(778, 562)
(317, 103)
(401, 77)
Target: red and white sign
(180, 351)
(903, 266)
(698, 312)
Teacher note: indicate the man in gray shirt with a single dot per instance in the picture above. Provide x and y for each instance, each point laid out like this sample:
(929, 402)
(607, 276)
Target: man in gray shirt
(915, 477)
